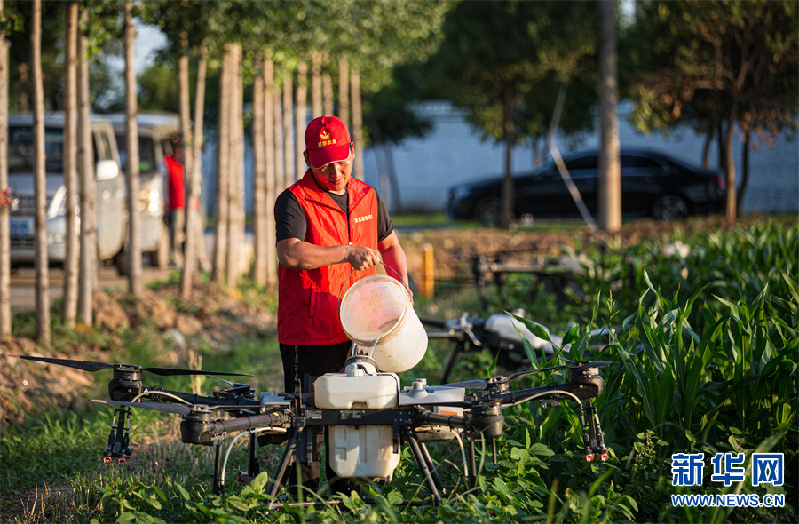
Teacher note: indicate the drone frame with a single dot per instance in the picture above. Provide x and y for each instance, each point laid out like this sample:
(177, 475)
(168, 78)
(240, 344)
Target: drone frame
(291, 418)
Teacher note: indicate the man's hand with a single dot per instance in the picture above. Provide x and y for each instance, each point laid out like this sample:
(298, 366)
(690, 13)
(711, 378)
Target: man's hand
(5, 198)
(362, 258)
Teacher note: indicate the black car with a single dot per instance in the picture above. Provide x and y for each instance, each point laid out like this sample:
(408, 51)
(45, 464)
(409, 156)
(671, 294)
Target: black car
(652, 184)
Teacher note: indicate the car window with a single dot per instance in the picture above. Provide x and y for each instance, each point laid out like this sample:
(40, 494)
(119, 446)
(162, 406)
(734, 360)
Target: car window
(146, 152)
(582, 163)
(634, 161)
(21, 148)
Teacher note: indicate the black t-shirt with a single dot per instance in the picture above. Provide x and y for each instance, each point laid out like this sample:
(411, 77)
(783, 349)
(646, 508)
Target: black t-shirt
(290, 220)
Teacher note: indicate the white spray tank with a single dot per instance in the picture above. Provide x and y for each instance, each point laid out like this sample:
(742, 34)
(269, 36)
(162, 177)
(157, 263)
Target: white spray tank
(359, 451)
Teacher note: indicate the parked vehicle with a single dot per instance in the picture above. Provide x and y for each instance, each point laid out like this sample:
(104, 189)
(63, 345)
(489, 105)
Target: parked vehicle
(652, 184)
(155, 130)
(110, 187)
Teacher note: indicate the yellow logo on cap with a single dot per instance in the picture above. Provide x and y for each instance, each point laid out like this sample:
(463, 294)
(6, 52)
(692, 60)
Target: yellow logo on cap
(324, 139)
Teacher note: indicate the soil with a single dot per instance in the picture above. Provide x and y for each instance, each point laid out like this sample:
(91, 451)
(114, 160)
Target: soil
(218, 316)
(454, 249)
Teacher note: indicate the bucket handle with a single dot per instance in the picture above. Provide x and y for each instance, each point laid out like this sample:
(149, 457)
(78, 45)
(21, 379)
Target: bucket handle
(407, 289)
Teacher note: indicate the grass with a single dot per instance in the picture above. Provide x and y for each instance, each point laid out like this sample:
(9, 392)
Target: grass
(704, 359)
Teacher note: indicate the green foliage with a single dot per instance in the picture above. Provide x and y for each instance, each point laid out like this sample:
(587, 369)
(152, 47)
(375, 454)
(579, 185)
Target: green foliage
(55, 445)
(518, 53)
(712, 61)
(699, 364)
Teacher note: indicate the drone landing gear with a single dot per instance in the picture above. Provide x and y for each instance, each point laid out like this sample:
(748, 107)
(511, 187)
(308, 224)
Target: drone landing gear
(118, 450)
(425, 463)
(253, 468)
(593, 438)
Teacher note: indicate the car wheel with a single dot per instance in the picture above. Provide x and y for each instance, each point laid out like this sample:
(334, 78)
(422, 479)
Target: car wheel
(487, 210)
(122, 262)
(669, 207)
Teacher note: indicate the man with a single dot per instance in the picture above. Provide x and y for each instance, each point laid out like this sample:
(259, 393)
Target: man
(331, 231)
(175, 208)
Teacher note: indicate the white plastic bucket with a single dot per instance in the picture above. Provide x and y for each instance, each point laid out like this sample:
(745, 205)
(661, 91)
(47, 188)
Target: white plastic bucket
(377, 315)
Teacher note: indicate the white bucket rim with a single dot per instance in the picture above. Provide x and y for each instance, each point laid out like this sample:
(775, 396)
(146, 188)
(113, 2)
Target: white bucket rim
(395, 329)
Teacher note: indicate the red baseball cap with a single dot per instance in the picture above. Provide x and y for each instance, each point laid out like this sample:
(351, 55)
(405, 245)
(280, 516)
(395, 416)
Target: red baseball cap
(327, 139)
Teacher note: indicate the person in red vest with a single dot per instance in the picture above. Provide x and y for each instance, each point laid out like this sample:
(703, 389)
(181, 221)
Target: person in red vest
(331, 230)
(175, 205)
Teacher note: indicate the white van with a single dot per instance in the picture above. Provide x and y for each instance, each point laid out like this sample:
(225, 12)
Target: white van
(155, 130)
(110, 187)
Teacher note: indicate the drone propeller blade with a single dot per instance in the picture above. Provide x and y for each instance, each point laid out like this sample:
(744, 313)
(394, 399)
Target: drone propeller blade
(521, 374)
(86, 365)
(90, 365)
(173, 372)
(469, 384)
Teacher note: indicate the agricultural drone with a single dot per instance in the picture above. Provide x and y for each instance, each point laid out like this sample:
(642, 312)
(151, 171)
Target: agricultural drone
(367, 414)
(501, 334)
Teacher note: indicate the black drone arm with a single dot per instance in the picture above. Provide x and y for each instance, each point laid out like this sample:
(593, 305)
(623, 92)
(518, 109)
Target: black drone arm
(510, 398)
(199, 428)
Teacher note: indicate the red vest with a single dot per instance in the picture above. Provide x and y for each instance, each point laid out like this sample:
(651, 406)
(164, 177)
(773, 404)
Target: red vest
(308, 309)
(177, 186)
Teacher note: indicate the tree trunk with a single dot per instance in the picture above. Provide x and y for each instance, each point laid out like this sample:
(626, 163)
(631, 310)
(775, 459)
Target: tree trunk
(744, 173)
(259, 168)
(508, 134)
(343, 91)
(5, 219)
(222, 170)
(195, 242)
(609, 190)
(24, 87)
(316, 84)
(40, 182)
(706, 149)
(327, 88)
(288, 130)
(539, 145)
(277, 105)
(132, 145)
(299, 128)
(235, 248)
(88, 195)
(70, 302)
(184, 114)
(386, 167)
(720, 142)
(271, 182)
(357, 122)
(730, 213)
